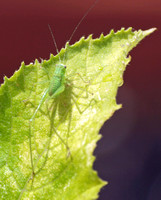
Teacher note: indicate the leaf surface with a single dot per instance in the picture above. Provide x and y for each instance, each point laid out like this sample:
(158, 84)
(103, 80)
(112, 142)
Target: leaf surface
(94, 72)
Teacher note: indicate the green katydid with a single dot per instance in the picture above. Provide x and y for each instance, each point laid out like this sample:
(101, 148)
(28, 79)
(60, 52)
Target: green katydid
(56, 87)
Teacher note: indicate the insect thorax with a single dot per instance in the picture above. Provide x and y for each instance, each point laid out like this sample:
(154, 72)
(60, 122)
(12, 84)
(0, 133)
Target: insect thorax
(58, 79)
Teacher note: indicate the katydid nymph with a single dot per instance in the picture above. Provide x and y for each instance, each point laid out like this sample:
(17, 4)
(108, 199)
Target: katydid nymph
(57, 85)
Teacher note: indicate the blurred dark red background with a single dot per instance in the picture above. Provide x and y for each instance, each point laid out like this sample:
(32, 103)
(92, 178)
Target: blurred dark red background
(129, 155)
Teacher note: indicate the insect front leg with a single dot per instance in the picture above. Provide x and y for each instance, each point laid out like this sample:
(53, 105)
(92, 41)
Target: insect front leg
(30, 129)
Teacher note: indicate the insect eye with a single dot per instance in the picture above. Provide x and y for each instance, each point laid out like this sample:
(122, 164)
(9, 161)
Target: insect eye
(65, 66)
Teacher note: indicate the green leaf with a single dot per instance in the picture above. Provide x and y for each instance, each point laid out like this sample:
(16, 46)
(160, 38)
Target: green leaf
(94, 72)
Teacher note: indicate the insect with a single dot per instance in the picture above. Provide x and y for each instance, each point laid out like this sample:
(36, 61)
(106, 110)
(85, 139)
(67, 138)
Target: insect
(57, 85)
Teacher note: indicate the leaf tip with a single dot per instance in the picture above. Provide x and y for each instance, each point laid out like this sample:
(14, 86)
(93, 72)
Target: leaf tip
(149, 31)
(36, 62)
(111, 32)
(5, 78)
(22, 64)
(82, 39)
(101, 36)
(89, 37)
(67, 45)
(51, 56)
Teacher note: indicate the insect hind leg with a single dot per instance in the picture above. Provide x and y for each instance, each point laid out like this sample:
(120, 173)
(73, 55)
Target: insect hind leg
(65, 143)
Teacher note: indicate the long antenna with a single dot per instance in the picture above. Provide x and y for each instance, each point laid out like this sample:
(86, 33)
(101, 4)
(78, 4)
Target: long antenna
(54, 41)
(93, 5)
(86, 13)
